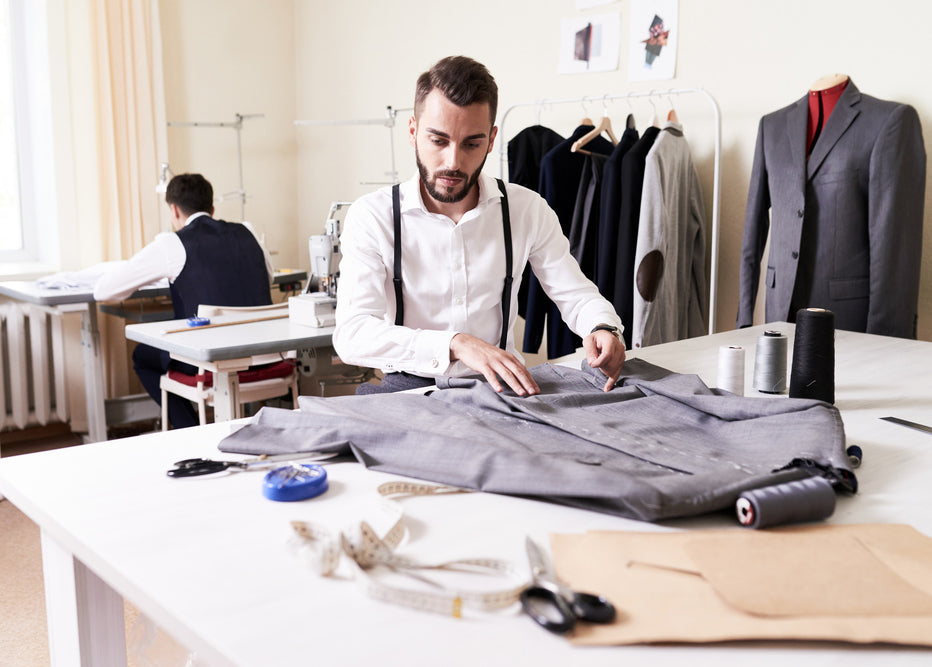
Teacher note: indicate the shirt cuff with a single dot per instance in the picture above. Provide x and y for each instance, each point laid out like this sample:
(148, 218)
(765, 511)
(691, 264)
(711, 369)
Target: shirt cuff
(432, 352)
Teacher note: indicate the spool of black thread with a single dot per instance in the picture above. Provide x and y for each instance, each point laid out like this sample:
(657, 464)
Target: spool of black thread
(810, 499)
(812, 374)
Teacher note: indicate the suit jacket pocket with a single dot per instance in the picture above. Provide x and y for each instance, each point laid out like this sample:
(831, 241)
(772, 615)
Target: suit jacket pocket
(771, 279)
(848, 288)
(823, 178)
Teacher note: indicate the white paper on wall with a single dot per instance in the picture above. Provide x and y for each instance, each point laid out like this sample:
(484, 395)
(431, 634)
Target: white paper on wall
(654, 32)
(590, 43)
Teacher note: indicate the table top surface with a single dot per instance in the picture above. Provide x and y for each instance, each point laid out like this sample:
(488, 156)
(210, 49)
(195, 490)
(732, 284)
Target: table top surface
(208, 558)
(31, 292)
(236, 341)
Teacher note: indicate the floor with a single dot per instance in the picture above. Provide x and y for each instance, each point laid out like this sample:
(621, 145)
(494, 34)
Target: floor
(23, 628)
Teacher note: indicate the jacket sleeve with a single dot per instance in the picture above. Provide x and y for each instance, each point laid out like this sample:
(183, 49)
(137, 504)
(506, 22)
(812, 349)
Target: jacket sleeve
(895, 218)
(756, 229)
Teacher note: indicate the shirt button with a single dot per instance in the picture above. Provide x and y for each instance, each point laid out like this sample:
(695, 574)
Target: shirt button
(434, 363)
(458, 301)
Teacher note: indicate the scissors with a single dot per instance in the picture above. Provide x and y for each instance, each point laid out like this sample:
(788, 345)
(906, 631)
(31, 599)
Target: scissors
(552, 605)
(197, 467)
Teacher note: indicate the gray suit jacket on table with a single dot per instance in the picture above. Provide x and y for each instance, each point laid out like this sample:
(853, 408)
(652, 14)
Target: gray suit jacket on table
(660, 445)
(846, 225)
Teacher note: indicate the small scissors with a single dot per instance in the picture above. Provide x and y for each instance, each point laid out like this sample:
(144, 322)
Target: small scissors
(197, 467)
(554, 606)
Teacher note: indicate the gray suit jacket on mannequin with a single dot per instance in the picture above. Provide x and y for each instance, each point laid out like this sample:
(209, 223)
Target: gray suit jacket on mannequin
(846, 230)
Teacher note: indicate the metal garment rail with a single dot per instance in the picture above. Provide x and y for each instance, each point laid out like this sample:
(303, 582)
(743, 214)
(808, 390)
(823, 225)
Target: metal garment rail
(717, 169)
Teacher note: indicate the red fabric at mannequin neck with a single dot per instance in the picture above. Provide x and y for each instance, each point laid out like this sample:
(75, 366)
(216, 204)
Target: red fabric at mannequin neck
(826, 99)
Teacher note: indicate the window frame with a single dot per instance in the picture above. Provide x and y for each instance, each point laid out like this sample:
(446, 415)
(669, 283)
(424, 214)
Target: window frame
(30, 31)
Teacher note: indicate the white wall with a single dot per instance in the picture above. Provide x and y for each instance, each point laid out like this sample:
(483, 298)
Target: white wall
(316, 59)
(223, 57)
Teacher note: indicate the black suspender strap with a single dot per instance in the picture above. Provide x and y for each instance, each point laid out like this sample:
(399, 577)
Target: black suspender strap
(396, 214)
(506, 289)
(509, 261)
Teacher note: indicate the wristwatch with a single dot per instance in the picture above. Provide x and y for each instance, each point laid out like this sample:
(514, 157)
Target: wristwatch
(609, 328)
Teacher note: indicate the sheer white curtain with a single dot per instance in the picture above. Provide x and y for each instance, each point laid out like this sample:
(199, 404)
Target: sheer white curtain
(118, 114)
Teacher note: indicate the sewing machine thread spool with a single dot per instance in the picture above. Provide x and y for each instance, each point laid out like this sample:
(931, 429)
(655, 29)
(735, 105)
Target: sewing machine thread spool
(855, 456)
(813, 369)
(731, 369)
(770, 363)
(801, 500)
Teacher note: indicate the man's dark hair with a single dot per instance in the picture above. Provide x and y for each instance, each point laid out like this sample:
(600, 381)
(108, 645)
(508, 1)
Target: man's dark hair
(191, 193)
(462, 80)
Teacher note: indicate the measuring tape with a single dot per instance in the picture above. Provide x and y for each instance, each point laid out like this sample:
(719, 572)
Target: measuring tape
(365, 550)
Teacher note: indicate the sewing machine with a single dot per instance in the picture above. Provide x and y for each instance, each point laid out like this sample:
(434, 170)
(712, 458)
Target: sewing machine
(317, 308)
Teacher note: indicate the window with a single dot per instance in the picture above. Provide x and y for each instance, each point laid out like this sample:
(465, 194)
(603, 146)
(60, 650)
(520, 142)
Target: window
(11, 221)
(28, 189)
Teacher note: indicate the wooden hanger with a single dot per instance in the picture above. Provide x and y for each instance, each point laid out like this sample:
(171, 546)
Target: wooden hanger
(828, 81)
(672, 117)
(605, 125)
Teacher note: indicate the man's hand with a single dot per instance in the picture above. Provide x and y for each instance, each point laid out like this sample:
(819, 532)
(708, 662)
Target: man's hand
(605, 351)
(494, 363)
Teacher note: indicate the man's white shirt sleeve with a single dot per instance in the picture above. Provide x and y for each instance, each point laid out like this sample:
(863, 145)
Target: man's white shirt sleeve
(163, 258)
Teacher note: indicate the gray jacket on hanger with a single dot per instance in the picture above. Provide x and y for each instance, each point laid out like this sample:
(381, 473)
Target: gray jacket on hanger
(660, 445)
(846, 225)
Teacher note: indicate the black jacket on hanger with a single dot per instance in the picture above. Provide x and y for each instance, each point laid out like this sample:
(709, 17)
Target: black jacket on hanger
(609, 217)
(560, 172)
(584, 231)
(632, 182)
(526, 150)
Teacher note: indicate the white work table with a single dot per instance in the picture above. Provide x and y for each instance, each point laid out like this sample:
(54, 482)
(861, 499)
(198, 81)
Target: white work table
(207, 559)
(225, 350)
(81, 299)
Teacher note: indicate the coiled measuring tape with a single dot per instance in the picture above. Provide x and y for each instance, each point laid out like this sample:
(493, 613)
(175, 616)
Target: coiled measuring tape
(323, 551)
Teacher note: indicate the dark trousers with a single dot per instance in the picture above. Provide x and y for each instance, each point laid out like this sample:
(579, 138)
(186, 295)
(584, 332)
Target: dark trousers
(151, 364)
(393, 382)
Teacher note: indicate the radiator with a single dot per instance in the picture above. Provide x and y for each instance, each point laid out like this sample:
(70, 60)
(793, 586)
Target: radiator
(33, 390)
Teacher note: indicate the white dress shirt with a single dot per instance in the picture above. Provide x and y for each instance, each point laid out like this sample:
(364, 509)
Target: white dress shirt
(452, 275)
(163, 258)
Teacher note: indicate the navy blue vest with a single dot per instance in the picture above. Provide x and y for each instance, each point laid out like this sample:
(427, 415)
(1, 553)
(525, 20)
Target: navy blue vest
(224, 266)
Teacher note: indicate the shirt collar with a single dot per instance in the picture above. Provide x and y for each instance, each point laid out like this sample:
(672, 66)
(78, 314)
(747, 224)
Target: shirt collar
(411, 193)
(195, 215)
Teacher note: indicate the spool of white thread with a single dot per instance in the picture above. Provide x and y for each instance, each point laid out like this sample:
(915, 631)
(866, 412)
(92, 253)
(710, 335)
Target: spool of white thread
(731, 369)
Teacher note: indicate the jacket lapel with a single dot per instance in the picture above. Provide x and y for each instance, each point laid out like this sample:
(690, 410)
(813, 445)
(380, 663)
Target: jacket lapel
(838, 122)
(796, 134)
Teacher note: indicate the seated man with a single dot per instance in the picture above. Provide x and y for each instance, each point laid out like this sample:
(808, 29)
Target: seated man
(206, 261)
(445, 304)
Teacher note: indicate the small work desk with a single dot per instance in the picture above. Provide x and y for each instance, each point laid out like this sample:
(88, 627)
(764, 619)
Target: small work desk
(82, 300)
(224, 350)
(207, 559)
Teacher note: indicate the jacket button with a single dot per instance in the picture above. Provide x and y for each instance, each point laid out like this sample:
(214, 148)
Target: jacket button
(795, 255)
(799, 213)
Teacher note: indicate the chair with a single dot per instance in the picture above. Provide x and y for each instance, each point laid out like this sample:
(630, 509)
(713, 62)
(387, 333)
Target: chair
(270, 376)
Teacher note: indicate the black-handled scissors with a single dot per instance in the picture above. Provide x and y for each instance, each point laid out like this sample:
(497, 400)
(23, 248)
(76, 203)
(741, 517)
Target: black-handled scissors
(197, 467)
(552, 605)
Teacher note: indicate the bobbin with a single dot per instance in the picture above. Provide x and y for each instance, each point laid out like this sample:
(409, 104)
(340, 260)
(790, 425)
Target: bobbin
(770, 363)
(810, 499)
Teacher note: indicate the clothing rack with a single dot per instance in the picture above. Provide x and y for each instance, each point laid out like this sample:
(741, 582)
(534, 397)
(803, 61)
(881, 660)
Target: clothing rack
(717, 170)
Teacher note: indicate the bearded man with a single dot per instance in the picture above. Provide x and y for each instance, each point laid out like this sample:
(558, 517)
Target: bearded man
(430, 270)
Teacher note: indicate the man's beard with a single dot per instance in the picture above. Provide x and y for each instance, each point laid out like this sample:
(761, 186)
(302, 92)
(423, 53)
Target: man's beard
(446, 197)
